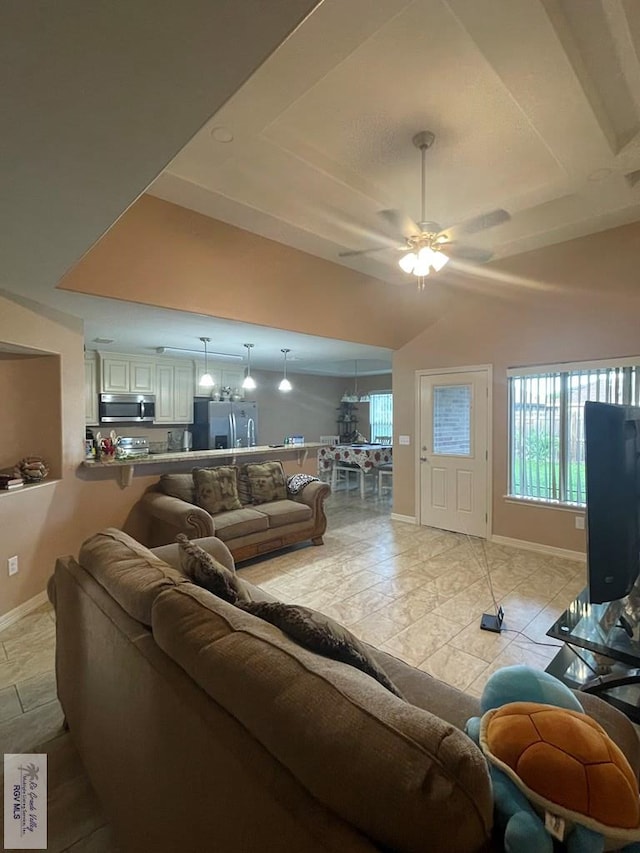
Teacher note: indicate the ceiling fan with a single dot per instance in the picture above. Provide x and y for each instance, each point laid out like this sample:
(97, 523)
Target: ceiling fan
(427, 245)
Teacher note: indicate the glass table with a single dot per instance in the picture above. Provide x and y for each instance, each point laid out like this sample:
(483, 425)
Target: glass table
(601, 654)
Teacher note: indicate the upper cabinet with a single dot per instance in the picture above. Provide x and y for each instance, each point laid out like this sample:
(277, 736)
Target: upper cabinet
(91, 389)
(174, 393)
(122, 375)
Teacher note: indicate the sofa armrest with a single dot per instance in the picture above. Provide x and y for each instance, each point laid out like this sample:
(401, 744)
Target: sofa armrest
(175, 516)
(313, 494)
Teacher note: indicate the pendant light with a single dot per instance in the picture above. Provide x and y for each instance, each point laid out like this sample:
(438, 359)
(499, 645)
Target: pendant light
(206, 380)
(285, 385)
(249, 382)
(352, 396)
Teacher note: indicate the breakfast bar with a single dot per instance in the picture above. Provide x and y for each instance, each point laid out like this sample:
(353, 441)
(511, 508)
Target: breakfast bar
(125, 467)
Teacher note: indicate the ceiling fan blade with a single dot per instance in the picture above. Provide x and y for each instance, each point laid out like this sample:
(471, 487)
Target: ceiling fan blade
(466, 253)
(352, 254)
(484, 221)
(402, 223)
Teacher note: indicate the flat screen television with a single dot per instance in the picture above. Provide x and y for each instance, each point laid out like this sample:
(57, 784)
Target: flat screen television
(612, 471)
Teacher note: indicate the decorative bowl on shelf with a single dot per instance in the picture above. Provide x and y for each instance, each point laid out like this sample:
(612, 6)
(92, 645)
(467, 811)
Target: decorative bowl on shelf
(33, 469)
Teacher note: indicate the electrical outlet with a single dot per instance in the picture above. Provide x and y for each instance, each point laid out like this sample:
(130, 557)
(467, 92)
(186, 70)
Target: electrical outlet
(12, 565)
(579, 522)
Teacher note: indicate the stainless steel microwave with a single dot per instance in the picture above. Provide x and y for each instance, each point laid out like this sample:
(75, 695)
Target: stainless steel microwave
(127, 408)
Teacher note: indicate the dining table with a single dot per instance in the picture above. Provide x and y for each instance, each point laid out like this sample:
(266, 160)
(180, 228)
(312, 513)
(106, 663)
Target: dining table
(367, 457)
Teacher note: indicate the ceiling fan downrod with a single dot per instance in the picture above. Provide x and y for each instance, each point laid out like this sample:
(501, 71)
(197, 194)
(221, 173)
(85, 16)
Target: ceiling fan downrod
(423, 140)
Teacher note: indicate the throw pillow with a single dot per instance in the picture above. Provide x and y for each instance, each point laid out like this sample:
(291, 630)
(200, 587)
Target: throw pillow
(267, 482)
(216, 488)
(244, 486)
(297, 482)
(178, 486)
(320, 634)
(205, 571)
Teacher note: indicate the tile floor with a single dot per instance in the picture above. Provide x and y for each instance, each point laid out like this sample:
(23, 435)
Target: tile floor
(416, 592)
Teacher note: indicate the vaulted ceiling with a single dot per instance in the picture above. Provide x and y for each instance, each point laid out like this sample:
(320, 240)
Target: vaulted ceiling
(535, 106)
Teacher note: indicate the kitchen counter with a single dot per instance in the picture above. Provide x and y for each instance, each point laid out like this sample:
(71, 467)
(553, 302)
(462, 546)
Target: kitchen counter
(126, 467)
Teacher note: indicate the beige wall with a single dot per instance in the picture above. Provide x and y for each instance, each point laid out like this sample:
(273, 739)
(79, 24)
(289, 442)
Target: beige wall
(30, 419)
(42, 522)
(588, 308)
(162, 254)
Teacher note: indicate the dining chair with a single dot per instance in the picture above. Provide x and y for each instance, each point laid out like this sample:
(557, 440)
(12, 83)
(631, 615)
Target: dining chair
(385, 472)
(383, 439)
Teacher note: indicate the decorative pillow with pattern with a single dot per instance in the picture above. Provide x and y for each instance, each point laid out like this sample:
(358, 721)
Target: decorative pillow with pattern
(320, 634)
(297, 482)
(205, 571)
(216, 488)
(244, 486)
(267, 481)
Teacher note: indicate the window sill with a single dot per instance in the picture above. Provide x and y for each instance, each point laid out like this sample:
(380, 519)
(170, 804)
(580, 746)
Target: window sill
(542, 504)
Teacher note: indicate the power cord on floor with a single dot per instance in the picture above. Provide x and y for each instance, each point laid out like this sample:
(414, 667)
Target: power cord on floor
(484, 568)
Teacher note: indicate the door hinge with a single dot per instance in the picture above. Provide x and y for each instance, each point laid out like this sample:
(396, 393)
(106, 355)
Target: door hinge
(486, 455)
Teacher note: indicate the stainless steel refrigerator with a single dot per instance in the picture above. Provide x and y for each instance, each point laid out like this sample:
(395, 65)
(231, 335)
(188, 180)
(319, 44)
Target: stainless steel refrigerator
(223, 424)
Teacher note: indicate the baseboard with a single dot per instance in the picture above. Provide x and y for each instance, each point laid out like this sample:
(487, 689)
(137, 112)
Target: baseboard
(22, 609)
(409, 519)
(543, 549)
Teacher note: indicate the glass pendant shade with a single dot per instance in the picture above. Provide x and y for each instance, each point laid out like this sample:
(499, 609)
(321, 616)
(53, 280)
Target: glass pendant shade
(249, 383)
(285, 385)
(423, 262)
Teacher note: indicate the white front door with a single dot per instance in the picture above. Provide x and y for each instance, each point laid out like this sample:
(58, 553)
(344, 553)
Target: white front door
(454, 451)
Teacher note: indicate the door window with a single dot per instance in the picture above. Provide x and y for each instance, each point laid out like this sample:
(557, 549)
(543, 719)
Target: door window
(452, 420)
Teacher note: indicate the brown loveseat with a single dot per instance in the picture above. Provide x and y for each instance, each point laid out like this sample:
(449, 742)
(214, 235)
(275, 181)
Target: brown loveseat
(203, 727)
(170, 507)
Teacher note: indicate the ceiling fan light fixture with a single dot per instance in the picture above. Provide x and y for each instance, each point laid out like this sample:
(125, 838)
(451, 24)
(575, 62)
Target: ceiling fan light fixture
(407, 262)
(438, 260)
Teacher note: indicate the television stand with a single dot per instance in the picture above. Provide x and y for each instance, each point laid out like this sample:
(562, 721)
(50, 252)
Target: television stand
(601, 654)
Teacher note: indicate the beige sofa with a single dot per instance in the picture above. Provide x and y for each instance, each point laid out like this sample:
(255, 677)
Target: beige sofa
(203, 727)
(247, 532)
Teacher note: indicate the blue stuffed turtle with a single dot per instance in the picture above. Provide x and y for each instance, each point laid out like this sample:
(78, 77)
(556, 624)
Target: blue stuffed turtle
(512, 698)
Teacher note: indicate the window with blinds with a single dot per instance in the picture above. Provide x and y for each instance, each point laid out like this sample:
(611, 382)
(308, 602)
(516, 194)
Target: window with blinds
(546, 424)
(380, 414)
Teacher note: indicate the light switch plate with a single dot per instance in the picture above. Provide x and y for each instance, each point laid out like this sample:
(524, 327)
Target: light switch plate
(404, 439)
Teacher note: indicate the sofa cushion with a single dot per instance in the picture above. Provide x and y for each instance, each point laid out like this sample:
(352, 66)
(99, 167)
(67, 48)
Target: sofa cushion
(239, 522)
(216, 488)
(321, 634)
(129, 572)
(267, 481)
(284, 512)
(179, 486)
(207, 572)
(403, 777)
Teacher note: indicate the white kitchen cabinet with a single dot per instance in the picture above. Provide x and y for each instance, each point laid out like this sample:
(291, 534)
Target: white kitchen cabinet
(183, 393)
(122, 375)
(90, 391)
(233, 378)
(174, 393)
(142, 377)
